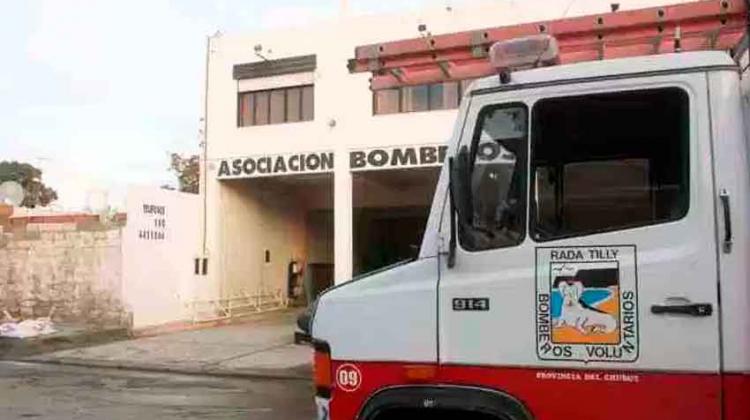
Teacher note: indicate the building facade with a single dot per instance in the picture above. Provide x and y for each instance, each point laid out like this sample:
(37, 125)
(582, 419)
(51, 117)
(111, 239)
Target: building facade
(306, 171)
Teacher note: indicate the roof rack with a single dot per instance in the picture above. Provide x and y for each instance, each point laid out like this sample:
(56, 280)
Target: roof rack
(694, 26)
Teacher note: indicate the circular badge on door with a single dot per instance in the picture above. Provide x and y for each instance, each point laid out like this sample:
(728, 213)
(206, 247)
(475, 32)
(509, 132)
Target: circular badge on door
(348, 377)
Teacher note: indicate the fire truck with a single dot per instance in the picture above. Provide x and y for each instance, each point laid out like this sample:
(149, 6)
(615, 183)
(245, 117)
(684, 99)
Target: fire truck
(586, 254)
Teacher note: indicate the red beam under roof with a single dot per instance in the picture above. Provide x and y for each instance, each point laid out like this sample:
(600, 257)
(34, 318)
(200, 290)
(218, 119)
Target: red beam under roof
(701, 25)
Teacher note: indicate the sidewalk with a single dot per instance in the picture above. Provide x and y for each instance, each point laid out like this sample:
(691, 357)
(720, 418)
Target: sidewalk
(261, 347)
(68, 336)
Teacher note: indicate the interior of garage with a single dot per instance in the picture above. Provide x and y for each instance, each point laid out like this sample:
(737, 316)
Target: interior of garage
(391, 208)
(277, 235)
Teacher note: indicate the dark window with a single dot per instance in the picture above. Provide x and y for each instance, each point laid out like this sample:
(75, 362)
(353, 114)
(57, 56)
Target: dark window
(415, 98)
(609, 161)
(308, 103)
(444, 95)
(451, 95)
(436, 96)
(498, 179)
(247, 105)
(276, 106)
(261, 107)
(387, 101)
(293, 104)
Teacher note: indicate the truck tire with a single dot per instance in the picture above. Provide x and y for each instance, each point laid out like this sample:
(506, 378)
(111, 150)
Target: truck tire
(443, 402)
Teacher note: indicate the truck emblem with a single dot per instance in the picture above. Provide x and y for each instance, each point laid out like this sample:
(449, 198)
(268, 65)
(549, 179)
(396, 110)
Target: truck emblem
(587, 303)
(348, 377)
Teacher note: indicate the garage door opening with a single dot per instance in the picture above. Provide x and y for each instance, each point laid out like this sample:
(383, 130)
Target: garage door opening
(391, 208)
(277, 238)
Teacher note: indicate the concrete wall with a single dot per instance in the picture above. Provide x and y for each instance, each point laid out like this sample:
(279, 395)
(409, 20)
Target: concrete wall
(160, 245)
(77, 270)
(138, 275)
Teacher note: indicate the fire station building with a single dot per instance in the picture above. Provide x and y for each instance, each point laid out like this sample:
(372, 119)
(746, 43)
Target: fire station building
(306, 170)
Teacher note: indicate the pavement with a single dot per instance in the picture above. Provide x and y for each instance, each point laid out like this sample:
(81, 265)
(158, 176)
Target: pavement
(261, 346)
(52, 392)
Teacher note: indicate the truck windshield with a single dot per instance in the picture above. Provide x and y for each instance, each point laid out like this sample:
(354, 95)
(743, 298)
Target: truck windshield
(498, 153)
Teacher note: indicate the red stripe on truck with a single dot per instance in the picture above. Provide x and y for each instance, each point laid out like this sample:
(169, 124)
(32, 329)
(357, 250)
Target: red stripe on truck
(553, 394)
(736, 396)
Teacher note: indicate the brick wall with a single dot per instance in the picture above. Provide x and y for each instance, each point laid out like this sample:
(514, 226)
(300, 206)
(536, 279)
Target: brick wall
(74, 267)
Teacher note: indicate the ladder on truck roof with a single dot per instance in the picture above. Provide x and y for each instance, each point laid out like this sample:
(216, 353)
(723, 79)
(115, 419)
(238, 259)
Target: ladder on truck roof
(700, 25)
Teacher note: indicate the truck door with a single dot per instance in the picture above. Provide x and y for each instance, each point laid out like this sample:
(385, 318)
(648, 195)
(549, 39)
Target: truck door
(585, 277)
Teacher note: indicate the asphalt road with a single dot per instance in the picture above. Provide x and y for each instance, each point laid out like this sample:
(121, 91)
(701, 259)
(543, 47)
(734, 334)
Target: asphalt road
(40, 391)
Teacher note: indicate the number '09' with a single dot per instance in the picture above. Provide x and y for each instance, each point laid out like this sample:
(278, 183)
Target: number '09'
(349, 378)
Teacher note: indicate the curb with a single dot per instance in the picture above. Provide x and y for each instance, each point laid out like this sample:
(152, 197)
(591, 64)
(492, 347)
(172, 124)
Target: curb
(299, 373)
(15, 349)
(181, 326)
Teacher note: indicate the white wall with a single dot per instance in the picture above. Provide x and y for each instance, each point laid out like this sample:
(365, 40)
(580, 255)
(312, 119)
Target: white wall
(158, 270)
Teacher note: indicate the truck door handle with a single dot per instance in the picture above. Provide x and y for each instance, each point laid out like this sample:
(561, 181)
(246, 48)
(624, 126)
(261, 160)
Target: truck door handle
(727, 244)
(691, 309)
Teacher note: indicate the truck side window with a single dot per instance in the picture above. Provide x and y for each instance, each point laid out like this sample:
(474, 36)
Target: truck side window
(609, 161)
(498, 178)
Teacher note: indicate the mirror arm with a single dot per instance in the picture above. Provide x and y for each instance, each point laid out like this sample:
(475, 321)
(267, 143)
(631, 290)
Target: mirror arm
(452, 241)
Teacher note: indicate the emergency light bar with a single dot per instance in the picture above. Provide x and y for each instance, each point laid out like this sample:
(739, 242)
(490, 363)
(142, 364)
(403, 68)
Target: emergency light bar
(522, 53)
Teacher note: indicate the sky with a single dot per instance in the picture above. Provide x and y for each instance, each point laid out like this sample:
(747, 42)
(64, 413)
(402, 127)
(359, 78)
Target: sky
(97, 93)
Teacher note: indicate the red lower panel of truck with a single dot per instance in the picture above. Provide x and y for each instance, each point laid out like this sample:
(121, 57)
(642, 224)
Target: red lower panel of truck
(736, 396)
(561, 393)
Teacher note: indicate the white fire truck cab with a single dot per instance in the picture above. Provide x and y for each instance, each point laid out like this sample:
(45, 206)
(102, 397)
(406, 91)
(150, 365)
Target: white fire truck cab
(586, 254)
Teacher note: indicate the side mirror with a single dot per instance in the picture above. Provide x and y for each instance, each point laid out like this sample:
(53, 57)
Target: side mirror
(460, 197)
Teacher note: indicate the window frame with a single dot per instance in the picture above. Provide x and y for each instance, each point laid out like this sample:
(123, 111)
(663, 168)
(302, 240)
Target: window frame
(253, 123)
(524, 160)
(686, 153)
